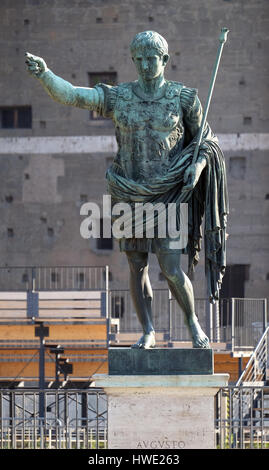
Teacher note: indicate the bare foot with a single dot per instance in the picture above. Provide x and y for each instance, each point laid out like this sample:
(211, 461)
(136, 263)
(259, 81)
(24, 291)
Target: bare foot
(199, 338)
(146, 341)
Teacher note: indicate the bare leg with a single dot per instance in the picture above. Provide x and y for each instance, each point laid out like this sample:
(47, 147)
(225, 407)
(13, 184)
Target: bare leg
(141, 293)
(181, 287)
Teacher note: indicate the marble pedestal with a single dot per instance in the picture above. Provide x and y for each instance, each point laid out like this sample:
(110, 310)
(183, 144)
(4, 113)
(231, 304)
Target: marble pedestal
(160, 411)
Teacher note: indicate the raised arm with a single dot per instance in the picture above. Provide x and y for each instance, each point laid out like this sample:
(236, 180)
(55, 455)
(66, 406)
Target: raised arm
(61, 90)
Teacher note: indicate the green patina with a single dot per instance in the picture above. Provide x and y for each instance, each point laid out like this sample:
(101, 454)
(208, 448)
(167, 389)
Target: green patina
(170, 361)
(157, 124)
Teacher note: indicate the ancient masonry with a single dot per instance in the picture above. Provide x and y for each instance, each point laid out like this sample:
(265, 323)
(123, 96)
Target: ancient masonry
(53, 158)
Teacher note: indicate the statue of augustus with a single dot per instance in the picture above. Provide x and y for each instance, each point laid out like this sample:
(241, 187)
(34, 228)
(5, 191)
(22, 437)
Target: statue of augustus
(156, 125)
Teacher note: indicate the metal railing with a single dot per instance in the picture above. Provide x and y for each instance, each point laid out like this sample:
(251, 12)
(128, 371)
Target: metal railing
(236, 322)
(248, 321)
(74, 419)
(77, 419)
(46, 278)
(255, 370)
(243, 410)
(253, 375)
(121, 306)
(242, 417)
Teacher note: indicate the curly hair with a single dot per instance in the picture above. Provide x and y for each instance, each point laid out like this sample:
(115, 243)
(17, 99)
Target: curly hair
(148, 39)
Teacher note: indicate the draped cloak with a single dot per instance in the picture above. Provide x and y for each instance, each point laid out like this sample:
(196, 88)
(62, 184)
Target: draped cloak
(208, 201)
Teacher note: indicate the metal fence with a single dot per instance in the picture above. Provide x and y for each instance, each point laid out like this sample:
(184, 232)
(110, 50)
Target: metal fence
(257, 366)
(77, 419)
(238, 322)
(73, 419)
(46, 278)
(242, 417)
(121, 306)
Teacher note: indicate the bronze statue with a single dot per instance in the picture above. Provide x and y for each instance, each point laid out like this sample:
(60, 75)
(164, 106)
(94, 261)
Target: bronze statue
(157, 122)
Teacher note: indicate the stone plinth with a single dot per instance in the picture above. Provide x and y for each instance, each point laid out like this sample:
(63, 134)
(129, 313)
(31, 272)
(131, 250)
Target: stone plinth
(157, 361)
(161, 411)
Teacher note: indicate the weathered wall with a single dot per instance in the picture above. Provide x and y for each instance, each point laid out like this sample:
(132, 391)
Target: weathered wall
(40, 189)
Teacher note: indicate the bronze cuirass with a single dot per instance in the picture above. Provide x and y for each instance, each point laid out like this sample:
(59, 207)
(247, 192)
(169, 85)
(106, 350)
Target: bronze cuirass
(147, 130)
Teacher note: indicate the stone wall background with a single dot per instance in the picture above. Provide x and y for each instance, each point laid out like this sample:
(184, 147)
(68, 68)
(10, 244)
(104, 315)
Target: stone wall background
(41, 192)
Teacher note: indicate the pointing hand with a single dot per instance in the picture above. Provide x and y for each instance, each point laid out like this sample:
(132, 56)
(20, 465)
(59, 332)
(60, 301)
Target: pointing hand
(36, 65)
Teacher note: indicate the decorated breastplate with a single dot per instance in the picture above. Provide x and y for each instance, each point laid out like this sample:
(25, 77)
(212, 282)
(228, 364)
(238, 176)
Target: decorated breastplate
(147, 130)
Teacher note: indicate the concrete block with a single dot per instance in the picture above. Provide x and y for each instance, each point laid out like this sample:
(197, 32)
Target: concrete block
(161, 412)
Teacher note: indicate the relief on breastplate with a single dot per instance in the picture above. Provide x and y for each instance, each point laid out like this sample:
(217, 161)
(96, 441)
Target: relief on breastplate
(146, 131)
(134, 112)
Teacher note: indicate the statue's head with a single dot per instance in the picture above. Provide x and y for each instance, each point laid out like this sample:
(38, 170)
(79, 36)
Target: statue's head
(149, 39)
(149, 53)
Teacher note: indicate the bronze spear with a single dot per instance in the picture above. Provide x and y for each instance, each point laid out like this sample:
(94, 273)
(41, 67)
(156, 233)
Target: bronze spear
(222, 40)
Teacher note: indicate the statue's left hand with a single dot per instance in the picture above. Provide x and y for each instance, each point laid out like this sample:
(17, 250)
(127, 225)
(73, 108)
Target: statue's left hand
(191, 176)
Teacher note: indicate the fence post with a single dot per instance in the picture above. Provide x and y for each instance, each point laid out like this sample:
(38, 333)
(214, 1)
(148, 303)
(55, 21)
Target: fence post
(209, 320)
(41, 331)
(233, 323)
(264, 320)
(170, 316)
(217, 321)
(32, 304)
(107, 291)
(12, 413)
(107, 306)
(33, 283)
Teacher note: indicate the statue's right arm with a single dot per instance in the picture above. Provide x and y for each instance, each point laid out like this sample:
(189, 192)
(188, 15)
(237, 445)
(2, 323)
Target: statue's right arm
(61, 90)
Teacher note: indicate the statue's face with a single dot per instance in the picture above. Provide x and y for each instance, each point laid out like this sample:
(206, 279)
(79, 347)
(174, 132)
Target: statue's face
(149, 63)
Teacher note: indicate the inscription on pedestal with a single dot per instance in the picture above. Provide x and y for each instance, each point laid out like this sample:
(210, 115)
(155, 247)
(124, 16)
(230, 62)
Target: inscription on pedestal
(128, 361)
